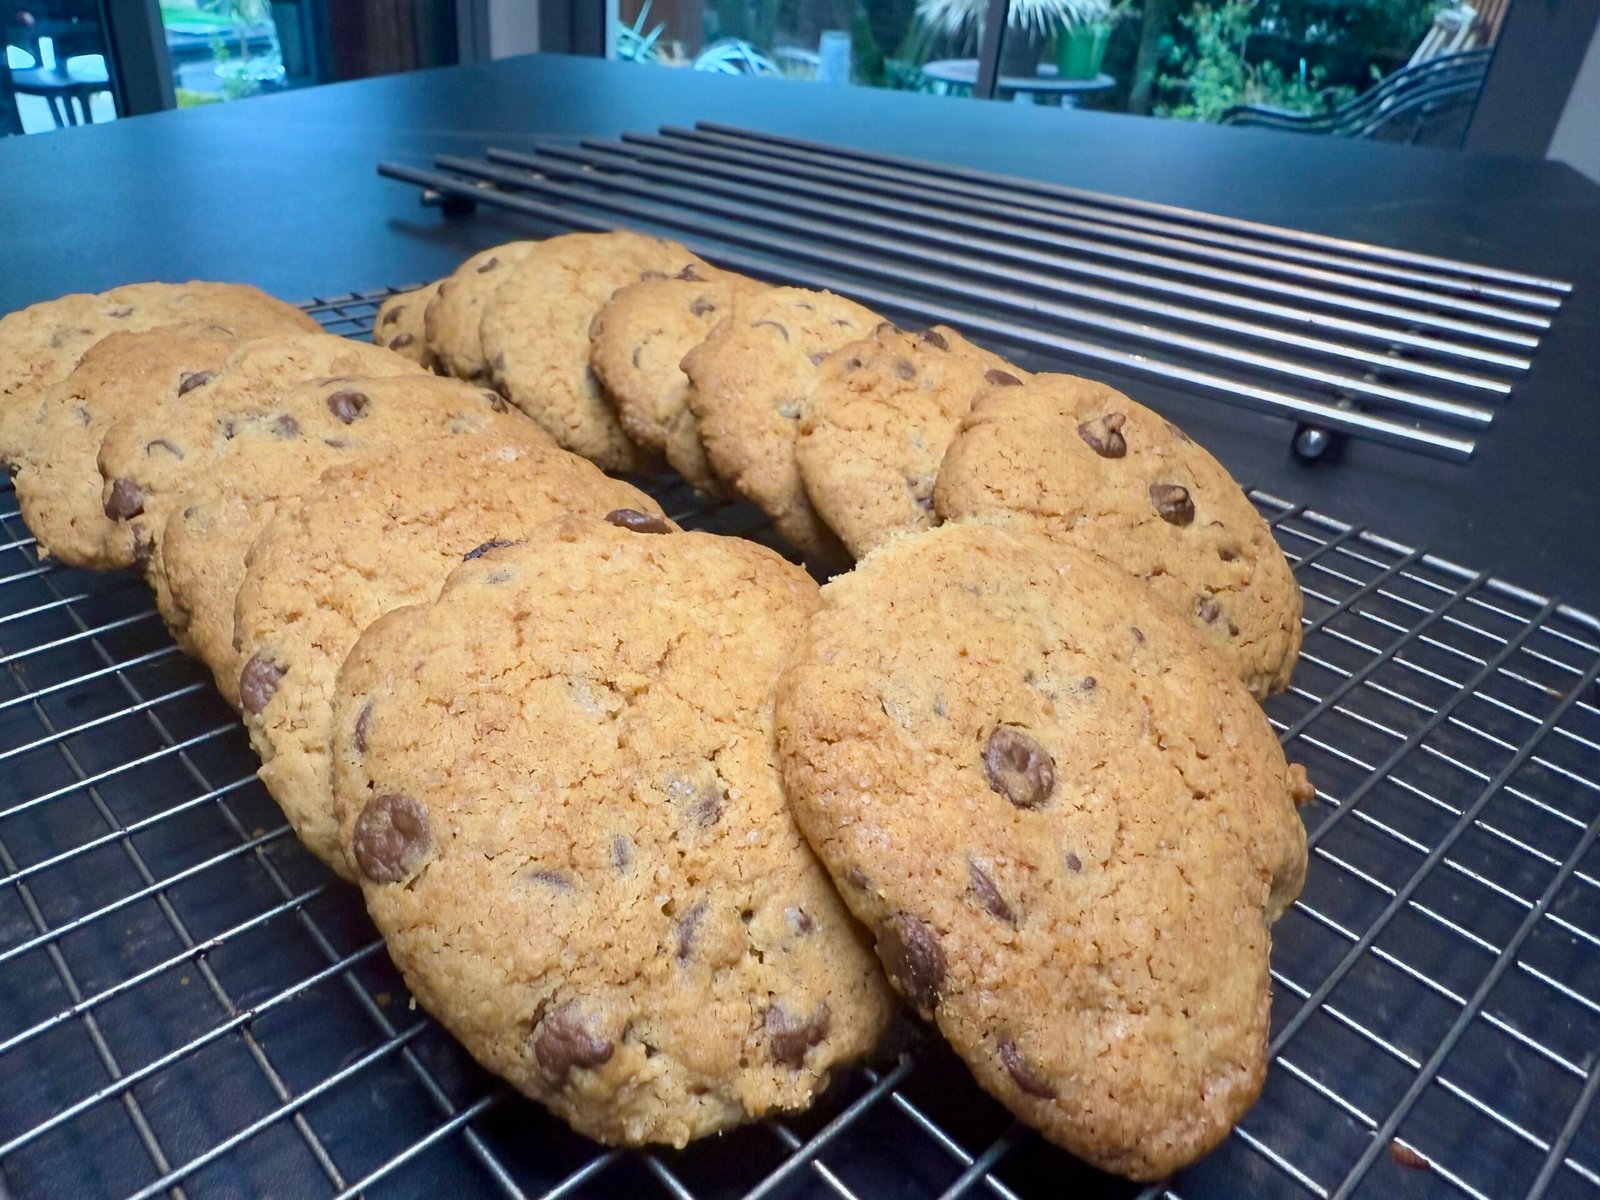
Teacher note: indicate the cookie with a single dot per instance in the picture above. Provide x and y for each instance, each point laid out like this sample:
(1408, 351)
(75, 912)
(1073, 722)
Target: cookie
(197, 566)
(400, 324)
(637, 342)
(370, 537)
(559, 788)
(147, 455)
(751, 379)
(880, 417)
(536, 335)
(1068, 827)
(1100, 472)
(39, 346)
(451, 319)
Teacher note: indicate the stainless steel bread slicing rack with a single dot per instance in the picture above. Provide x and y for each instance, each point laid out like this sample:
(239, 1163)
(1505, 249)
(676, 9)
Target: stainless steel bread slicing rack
(191, 1006)
(1338, 338)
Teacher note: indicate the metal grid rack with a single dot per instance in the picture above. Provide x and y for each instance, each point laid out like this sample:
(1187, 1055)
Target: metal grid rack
(191, 1006)
(1349, 339)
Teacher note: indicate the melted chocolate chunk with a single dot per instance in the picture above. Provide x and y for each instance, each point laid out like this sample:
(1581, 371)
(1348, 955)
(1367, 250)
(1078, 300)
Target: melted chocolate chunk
(163, 444)
(688, 929)
(483, 548)
(258, 682)
(1207, 609)
(904, 369)
(913, 959)
(983, 887)
(1023, 1074)
(935, 339)
(347, 405)
(363, 724)
(783, 329)
(189, 380)
(126, 500)
(1018, 767)
(563, 1040)
(391, 838)
(1173, 503)
(621, 854)
(1001, 378)
(635, 521)
(393, 315)
(700, 306)
(404, 340)
(791, 1036)
(489, 264)
(286, 427)
(1073, 862)
(1103, 435)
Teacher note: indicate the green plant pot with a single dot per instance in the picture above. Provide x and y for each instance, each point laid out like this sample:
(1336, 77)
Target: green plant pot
(1081, 52)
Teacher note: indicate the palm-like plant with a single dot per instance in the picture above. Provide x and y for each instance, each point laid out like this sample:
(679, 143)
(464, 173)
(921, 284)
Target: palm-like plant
(1044, 17)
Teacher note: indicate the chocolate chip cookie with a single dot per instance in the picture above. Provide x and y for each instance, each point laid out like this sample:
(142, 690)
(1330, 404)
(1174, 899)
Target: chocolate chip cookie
(40, 345)
(559, 789)
(1068, 827)
(451, 320)
(536, 335)
(881, 414)
(751, 379)
(371, 536)
(58, 480)
(637, 342)
(197, 566)
(1097, 471)
(147, 455)
(401, 326)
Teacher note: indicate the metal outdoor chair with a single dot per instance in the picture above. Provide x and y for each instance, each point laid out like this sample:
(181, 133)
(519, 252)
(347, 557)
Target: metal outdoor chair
(80, 71)
(1426, 103)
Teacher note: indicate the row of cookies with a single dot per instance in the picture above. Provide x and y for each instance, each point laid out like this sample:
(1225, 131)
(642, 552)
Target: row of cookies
(845, 430)
(942, 686)
(571, 830)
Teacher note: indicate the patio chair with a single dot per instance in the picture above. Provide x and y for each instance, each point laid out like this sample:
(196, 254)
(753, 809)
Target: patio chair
(73, 27)
(1425, 104)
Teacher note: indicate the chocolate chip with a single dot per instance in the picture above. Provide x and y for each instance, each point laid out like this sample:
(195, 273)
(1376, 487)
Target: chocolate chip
(363, 723)
(1089, 683)
(189, 380)
(621, 854)
(1207, 609)
(391, 838)
(286, 427)
(690, 274)
(557, 880)
(635, 521)
(1233, 630)
(1178, 434)
(82, 414)
(1172, 502)
(119, 313)
(163, 444)
(852, 364)
(688, 929)
(1022, 1074)
(496, 401)
(1138, 634)
(126, 500)
(842, 322)
(489, 264)
(780, 328)
(885, 329)
(936, 339)
(1074, 863)
(347, 405)
(405, 339)
(913, 959)
(480, 550)
(1018, 767)
(791, 1036)
(1001, 378)
(799, 920)
(820, 357)
(983, 887)
(700, 306)
(904, 369)
(563, 1040)
(1227, 554)
(706, 808)
(1104, 435)
(856, 877)
(258, 682)
(393, 315)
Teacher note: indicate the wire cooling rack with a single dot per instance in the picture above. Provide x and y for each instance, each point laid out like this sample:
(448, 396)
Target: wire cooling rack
(191, 1006)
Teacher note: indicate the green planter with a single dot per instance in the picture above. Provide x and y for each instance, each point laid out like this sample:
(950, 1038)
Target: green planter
(1081, 51)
